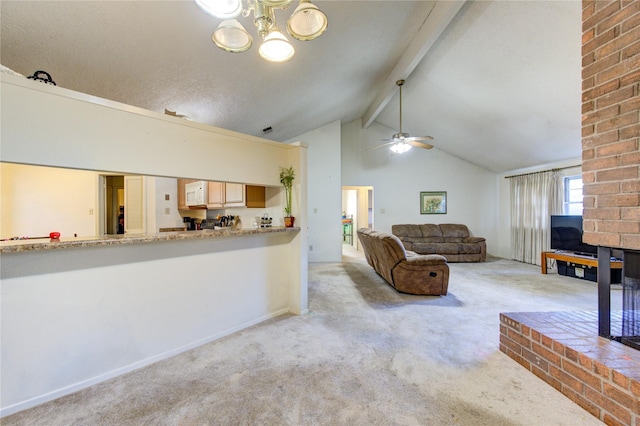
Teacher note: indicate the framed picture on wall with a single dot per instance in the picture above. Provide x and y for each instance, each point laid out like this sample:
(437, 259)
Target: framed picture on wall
(433, 202)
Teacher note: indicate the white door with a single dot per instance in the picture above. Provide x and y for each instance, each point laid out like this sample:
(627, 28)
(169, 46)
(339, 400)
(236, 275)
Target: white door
(134, 205)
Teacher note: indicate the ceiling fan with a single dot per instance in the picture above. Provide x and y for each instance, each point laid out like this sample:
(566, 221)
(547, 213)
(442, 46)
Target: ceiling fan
(402, 142)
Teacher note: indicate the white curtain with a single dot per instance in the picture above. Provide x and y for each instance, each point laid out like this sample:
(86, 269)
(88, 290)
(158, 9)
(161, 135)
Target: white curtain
(534, 198)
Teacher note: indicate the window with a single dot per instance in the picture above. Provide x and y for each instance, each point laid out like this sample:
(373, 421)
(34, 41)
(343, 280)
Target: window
(573, 195)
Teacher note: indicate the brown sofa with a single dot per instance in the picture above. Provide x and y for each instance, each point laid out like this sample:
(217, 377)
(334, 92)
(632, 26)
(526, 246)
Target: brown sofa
(452, 241)
(406, 271)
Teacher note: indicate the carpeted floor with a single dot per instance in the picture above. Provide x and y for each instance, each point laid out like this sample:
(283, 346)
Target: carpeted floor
(364, 355)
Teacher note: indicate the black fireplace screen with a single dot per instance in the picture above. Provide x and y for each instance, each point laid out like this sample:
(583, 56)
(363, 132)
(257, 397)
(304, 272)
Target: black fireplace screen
(631, 299)
(621, 326)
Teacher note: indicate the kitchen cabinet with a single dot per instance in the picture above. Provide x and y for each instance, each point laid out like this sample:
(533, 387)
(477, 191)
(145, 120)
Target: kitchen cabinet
(250, 196)
(216, 195)
(222, 195)
(234, 195)
(256, 196)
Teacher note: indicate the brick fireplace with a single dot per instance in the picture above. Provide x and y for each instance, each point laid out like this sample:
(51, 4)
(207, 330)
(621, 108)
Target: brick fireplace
(567, 349)
(611, 123)
(610, 154)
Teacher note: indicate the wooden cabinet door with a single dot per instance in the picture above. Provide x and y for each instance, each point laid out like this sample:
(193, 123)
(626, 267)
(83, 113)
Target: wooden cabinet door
(256, 196)
(234, 195)
(216, 195)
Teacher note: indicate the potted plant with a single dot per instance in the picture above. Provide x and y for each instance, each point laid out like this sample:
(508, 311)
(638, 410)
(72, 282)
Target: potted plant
(287, 175)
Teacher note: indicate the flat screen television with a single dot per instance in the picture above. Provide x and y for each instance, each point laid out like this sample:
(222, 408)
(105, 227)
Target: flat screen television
(566, 235)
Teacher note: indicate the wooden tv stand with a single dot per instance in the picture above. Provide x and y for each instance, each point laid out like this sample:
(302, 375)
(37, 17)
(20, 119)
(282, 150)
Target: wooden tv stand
(574, 258)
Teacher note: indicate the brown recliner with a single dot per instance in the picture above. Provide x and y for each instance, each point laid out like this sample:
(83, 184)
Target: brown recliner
(406, 271)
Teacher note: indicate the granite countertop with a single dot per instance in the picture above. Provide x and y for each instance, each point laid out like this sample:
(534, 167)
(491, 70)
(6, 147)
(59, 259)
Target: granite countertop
(13, 246)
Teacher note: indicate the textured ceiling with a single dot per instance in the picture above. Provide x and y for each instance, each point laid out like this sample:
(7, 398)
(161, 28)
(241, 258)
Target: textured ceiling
(499, 88)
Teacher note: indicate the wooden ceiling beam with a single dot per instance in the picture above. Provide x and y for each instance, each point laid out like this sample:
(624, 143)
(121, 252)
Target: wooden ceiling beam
(437, 20)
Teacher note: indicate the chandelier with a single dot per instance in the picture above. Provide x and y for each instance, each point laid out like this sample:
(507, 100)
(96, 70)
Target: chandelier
(305, 23)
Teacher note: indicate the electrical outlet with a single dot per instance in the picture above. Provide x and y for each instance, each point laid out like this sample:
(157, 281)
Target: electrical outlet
(90, 212)
(315, 210)
(167, 210)
(381, 211)
(310, 248)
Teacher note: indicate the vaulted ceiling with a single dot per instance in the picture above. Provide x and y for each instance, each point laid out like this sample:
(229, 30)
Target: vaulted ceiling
(496, 83)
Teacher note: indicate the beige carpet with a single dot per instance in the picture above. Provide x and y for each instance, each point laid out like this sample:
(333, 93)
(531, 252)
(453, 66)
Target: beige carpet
(364, 355)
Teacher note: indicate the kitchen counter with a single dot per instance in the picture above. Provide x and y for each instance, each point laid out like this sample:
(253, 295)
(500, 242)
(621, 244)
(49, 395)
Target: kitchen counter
(13, 246)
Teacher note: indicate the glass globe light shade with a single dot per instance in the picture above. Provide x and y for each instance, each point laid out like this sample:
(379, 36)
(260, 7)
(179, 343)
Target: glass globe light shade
(307, 21)
(276, 3)
(225, 9)
(232, 37)
(276, 47)
(400, 147)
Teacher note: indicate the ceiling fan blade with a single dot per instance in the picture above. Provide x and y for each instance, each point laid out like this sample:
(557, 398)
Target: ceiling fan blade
(419, 144)
(421, 138)
(380, 146)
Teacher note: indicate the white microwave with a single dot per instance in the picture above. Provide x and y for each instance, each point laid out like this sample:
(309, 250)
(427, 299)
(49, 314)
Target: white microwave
(195, 193)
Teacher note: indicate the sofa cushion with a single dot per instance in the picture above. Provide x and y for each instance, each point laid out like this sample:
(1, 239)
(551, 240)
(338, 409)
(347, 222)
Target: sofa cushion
(436, 248)
(430, 233)
(408, 245)
(454, 233)
(469, 248)
(406, 231)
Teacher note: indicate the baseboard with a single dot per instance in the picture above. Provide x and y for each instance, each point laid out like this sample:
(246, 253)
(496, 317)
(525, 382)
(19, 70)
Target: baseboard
(67, 390)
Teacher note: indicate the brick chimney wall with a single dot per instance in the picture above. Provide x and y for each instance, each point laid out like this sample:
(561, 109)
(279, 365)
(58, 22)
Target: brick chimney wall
(611, 122)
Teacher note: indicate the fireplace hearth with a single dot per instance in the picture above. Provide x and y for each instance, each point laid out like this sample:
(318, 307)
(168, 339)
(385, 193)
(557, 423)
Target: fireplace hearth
(626, 328)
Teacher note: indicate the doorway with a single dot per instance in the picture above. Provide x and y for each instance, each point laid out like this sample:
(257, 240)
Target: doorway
(114, 205)
(357, 212)
(122, 204)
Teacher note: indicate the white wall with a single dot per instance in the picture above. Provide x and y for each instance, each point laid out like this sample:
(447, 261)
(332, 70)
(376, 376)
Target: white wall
(397, 180)
(75, 317)
(172, 219)
(324, 193)
(40, 200)
(38, 119)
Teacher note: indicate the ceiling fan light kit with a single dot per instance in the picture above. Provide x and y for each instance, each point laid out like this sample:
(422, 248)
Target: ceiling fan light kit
(400, 147)
(225, 9)
(276, 47)
(232, 37)
(307, 22)
(402, 142)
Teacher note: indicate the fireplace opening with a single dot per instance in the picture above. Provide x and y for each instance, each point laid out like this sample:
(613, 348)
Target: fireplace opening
(623, 326)
(631, 300)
